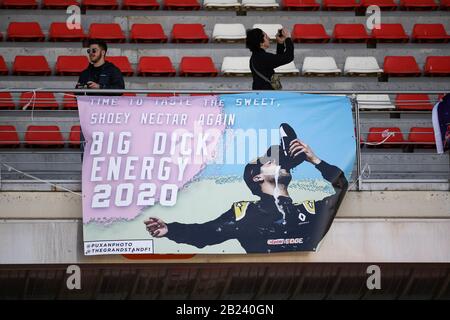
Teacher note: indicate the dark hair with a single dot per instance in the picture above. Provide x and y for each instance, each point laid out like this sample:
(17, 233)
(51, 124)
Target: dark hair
(254, 39)
(252, 169)
(102, 44)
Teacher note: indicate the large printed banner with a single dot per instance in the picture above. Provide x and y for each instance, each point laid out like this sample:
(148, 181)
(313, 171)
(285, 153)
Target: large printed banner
(242, 173)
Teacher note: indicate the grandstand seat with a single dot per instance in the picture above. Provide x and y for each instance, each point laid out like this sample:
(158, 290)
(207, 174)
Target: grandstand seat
(41, 101)
(413, 102)
(310, 33)
(365, 66)
(189, 33)
(229, 32)
(374, 102)
(385, 137)
(260, 5)
(110, 32)
(422, 137)
(60, 32)
(69, 102)
(75, 136)
(197, 67)
(270, 29)
(45, 136)
(20, 4)
(383, 4)
(25, 31)
(148, 32)
(181, 5)
(6, 101)
(140, 5)
(31, 66)
(320, 66)
(390, 32)
(58, 4)
(3, 67)
(8, 136)
(352, 32)
(401, 66)
(70, 65)
(221, 4)
(122, 63)
(339, 4)
(236, 66)
(437, 66)
(418, 5)
(156, 67)
(287, 69)
(301, 5)
(100, 4)
(445, 4)
(162, 95)
(433, 32)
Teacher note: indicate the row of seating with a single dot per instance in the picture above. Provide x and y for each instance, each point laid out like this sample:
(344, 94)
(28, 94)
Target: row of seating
(50, 136)
(229, 4)
(195, 33)
(162, 66)
(47, 101)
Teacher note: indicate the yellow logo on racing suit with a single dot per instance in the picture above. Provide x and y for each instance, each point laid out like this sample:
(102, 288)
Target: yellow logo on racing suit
(240, 209)
(310, 206)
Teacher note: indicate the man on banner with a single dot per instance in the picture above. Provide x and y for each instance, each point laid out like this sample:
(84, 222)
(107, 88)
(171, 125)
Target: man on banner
(441, 124)
(274, 223)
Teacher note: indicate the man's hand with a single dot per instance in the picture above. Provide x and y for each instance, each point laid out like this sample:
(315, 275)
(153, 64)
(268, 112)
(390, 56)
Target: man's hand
(156, 227)
(296, 147)
(285, 34)
(93, 85)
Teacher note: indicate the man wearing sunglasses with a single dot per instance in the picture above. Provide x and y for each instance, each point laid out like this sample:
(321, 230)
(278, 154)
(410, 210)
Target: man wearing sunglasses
(100, 74)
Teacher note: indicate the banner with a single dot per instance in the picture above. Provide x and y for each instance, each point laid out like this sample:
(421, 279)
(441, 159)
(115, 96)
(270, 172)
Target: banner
(441, 124)
(241, 173)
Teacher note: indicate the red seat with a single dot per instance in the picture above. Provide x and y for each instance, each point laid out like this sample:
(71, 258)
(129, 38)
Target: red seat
(151, 33)
(44, 136)
(60, 32)
(58, 4)
(129, 94)
(309, 33)
(181, 5)
(20, 4)
(191, 33)
(352, 32)
(390, 32)
(433, 32)
(25, 31)
(41, 100)
(300, 5)
(9, 136)
(385, 137)
(110, 32)
(437, 66)
(197, 67)
(162, 95)
(422, 137)
(418, 5)
(140, 5)
(75, 136)
(100, 4)
(31, 66)
(340, 4)
(156, 67)
(445, 4)
(122, 63)
(413, 102)
(6, 101)
(3, 67)
(71, 65)
(383, 4)
(69, 102)
(401, 66)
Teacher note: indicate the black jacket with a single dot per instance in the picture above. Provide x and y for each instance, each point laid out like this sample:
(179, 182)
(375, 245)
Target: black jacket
(266, 62)
(260, 226)
(108, 76)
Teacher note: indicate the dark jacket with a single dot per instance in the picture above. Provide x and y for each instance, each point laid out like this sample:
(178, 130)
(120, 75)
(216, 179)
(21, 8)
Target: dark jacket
(108, 76)
(266, 62)
(261, 227)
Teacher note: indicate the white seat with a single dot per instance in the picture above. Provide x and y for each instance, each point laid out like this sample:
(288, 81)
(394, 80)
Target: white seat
(236, 66)
(374, 101)
(260, 4)
(320, 66)
(289, 68)
(221, 4)
(361, 66)
(270, 29)
(229, 32)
